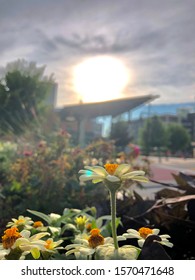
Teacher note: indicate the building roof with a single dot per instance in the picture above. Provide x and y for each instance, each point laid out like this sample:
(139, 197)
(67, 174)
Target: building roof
(106, 108)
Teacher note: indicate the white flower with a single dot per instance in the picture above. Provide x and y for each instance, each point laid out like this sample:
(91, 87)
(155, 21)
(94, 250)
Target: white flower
(144, 232)
(54, 217)
(31, 244)
(21, 221)
(13, 239)
(112, 172)
(108, 252)
(52, 246)
(80, 249)
(3, 252)
(86, 246)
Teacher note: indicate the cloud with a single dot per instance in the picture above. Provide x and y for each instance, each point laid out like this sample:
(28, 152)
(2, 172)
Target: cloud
(154, 39)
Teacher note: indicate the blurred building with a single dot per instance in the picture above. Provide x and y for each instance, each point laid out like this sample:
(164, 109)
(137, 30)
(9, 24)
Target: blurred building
(92, 129)
(83, 115)
(51, 99)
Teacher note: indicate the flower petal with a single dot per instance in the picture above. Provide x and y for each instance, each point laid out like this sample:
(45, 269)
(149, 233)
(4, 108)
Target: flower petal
(83, 171)
(141, 242)
(155, 231)
(25, 233)
(98, 170)
(85, 178)
(166, 243)
(71, 252)
(95, 181)
(136, 178)
(86, 251)
(35, 253)
(70, 246)
(131, 235)
(121, 238)
(38, 236)
(140, 179)
(122, 169)
(81, 241)
(108, 240)
(132, 174)
(164, 236)
(132, 231)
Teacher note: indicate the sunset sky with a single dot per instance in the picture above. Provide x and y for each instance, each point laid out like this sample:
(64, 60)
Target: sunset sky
(122, 48)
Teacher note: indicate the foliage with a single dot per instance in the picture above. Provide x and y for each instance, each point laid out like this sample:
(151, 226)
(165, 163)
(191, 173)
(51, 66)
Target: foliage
(101, 150)
(78, 234)
(38, 173)
(119, 133)
(156, 135)
(153, 134)
(23, 93)
(42, 175)
(178, 137)
(172, 210)
(61, 229)
(7, 155)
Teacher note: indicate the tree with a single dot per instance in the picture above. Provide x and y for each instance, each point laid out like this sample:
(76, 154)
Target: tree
(23, 92)
(178, 137)
(119, 133)
(153, 134)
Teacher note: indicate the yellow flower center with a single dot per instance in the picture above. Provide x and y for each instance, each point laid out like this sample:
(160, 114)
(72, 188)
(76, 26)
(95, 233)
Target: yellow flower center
(145, 231)
(81, 220)
(95, 238)
(37, 224)
(111, 167)
(49, 244)
(10, 236)
(20, 221)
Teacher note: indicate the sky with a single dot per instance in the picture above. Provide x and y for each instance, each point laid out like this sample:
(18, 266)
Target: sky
(154, 40)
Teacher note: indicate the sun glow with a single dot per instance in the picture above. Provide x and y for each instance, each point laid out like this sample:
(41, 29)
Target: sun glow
(100, 78)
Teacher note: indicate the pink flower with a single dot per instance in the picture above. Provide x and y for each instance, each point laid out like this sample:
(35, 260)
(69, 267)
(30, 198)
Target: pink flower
(136, 151)
(27, 153)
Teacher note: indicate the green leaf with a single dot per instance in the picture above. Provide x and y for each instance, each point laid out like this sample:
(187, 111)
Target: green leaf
(70, 227)
(99, 221)
(41, 215)
(16, 186)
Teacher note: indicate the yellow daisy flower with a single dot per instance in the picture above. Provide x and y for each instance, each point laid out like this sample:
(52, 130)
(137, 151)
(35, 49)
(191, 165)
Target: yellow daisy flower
(25, 222)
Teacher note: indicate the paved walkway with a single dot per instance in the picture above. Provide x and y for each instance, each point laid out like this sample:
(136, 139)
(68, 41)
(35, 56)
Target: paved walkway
(162, 169)
(162, 172)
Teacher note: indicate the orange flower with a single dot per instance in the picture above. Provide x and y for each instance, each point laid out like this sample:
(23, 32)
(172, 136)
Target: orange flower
(95, 238)
(37, 224)
(143, 231)
(111, 167)
(10, 236)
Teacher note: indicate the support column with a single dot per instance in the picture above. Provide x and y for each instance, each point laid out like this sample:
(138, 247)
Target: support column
(81, 132)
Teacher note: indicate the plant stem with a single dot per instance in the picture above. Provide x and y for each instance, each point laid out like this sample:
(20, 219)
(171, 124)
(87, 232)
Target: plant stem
(113, 215)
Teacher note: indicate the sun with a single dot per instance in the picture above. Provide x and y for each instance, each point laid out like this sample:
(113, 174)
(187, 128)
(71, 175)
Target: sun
(100, 78)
